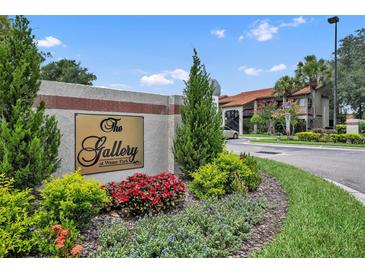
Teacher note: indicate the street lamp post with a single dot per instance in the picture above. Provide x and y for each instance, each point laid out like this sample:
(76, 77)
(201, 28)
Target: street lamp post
(334, 20)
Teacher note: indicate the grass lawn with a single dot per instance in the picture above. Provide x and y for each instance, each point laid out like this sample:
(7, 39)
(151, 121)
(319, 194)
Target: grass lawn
(323, 220)
(295, 141)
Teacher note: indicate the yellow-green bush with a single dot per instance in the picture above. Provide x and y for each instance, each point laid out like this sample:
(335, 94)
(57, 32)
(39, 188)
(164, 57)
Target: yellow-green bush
(208, 181)
(350, 138)
(72, 197)
(16, 221)
(228, 173)
(242, 172)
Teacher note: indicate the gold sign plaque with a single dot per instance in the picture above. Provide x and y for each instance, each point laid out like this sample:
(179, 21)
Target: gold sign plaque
(106, 143)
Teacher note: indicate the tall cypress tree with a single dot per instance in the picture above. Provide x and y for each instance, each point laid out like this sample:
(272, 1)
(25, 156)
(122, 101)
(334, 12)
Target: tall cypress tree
(200, 137)
(29, 139)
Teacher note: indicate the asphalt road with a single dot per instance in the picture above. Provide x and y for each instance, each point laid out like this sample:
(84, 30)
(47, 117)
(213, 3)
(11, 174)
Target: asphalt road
(345, 166)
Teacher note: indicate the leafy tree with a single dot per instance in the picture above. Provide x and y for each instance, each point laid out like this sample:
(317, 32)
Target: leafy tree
(263, 116)
(284, 87)
(200, 137)
(29, 139)
(279, 116)
(69, 71)
(351, 72)
(4, 25)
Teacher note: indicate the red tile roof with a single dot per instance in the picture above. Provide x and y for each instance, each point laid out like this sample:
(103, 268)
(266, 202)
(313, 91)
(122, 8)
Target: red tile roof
(250, 96)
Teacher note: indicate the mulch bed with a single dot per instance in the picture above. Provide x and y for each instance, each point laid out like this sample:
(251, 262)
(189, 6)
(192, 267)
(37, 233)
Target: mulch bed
(262, 234)
(259, 234)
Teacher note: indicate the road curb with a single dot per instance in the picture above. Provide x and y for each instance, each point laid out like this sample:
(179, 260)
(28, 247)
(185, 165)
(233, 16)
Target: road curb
(302, 146)
(358, 195)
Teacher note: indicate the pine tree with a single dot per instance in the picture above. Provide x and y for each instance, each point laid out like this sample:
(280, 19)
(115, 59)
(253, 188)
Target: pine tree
(29, 139)
(200, 137)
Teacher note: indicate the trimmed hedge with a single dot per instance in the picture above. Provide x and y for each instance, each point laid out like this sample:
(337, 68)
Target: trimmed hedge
(350, 138)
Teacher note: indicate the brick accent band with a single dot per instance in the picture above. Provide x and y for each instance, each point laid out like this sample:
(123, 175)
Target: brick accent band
(75, 103)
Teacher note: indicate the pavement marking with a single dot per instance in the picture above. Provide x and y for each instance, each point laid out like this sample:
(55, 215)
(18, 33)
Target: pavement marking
(357, 194)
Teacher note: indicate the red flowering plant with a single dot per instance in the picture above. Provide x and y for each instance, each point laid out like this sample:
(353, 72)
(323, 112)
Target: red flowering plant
(141, 193)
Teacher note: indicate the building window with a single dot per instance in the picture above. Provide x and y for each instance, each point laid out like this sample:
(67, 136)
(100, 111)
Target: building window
(301, 102)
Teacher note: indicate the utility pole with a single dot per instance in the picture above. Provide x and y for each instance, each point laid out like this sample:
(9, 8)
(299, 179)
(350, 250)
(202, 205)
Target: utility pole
(334, 20)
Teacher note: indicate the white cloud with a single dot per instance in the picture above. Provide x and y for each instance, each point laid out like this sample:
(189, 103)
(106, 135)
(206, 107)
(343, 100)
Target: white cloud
(295, 22)
(178, 74)
(165, 77)
(156, 80)
(49, 42)
(219, 33)
(263, 31)
(277, 68)
(250, 70)
(241, 38)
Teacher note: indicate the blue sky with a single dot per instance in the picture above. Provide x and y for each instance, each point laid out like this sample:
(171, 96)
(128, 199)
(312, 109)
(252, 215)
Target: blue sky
(153, 53)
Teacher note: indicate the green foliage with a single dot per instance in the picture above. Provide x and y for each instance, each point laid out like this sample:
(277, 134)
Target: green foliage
(308, 136)
(362, 126)
(350, 138)
(212, 229)
(113, 241)
(29, 146)
(284, 87)
(257, 119)
(252, 178)
(228, 173)
(312, 71)
(200, 137)
(351, 71)
(72, 198)
(279, 116)
(341, 129)
(16, 221)
(29, 139)
(264, 116)
(4, 25)
(208, 181)
(68, 71)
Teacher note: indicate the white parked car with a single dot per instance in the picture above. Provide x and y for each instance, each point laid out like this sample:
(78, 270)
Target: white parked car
(230, 133)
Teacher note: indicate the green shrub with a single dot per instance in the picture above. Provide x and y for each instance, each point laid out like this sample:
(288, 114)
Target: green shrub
(113, 241)
(350, 138)
(251, 178)
(340, 129)
(354, 138)
(16, 221)
(72, 198)
(232, 165)
(208, 181)
(308, 136)
(211, 229)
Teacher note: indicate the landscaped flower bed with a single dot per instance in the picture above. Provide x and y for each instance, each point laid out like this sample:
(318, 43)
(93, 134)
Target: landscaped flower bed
(201, 229)
(153, 216)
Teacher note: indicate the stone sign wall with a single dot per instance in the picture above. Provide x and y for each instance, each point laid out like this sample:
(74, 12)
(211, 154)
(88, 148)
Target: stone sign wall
(111, 134)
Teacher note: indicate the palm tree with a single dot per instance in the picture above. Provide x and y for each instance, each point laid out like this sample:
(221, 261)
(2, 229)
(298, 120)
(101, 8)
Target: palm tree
(284, 87)
(313, 72)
